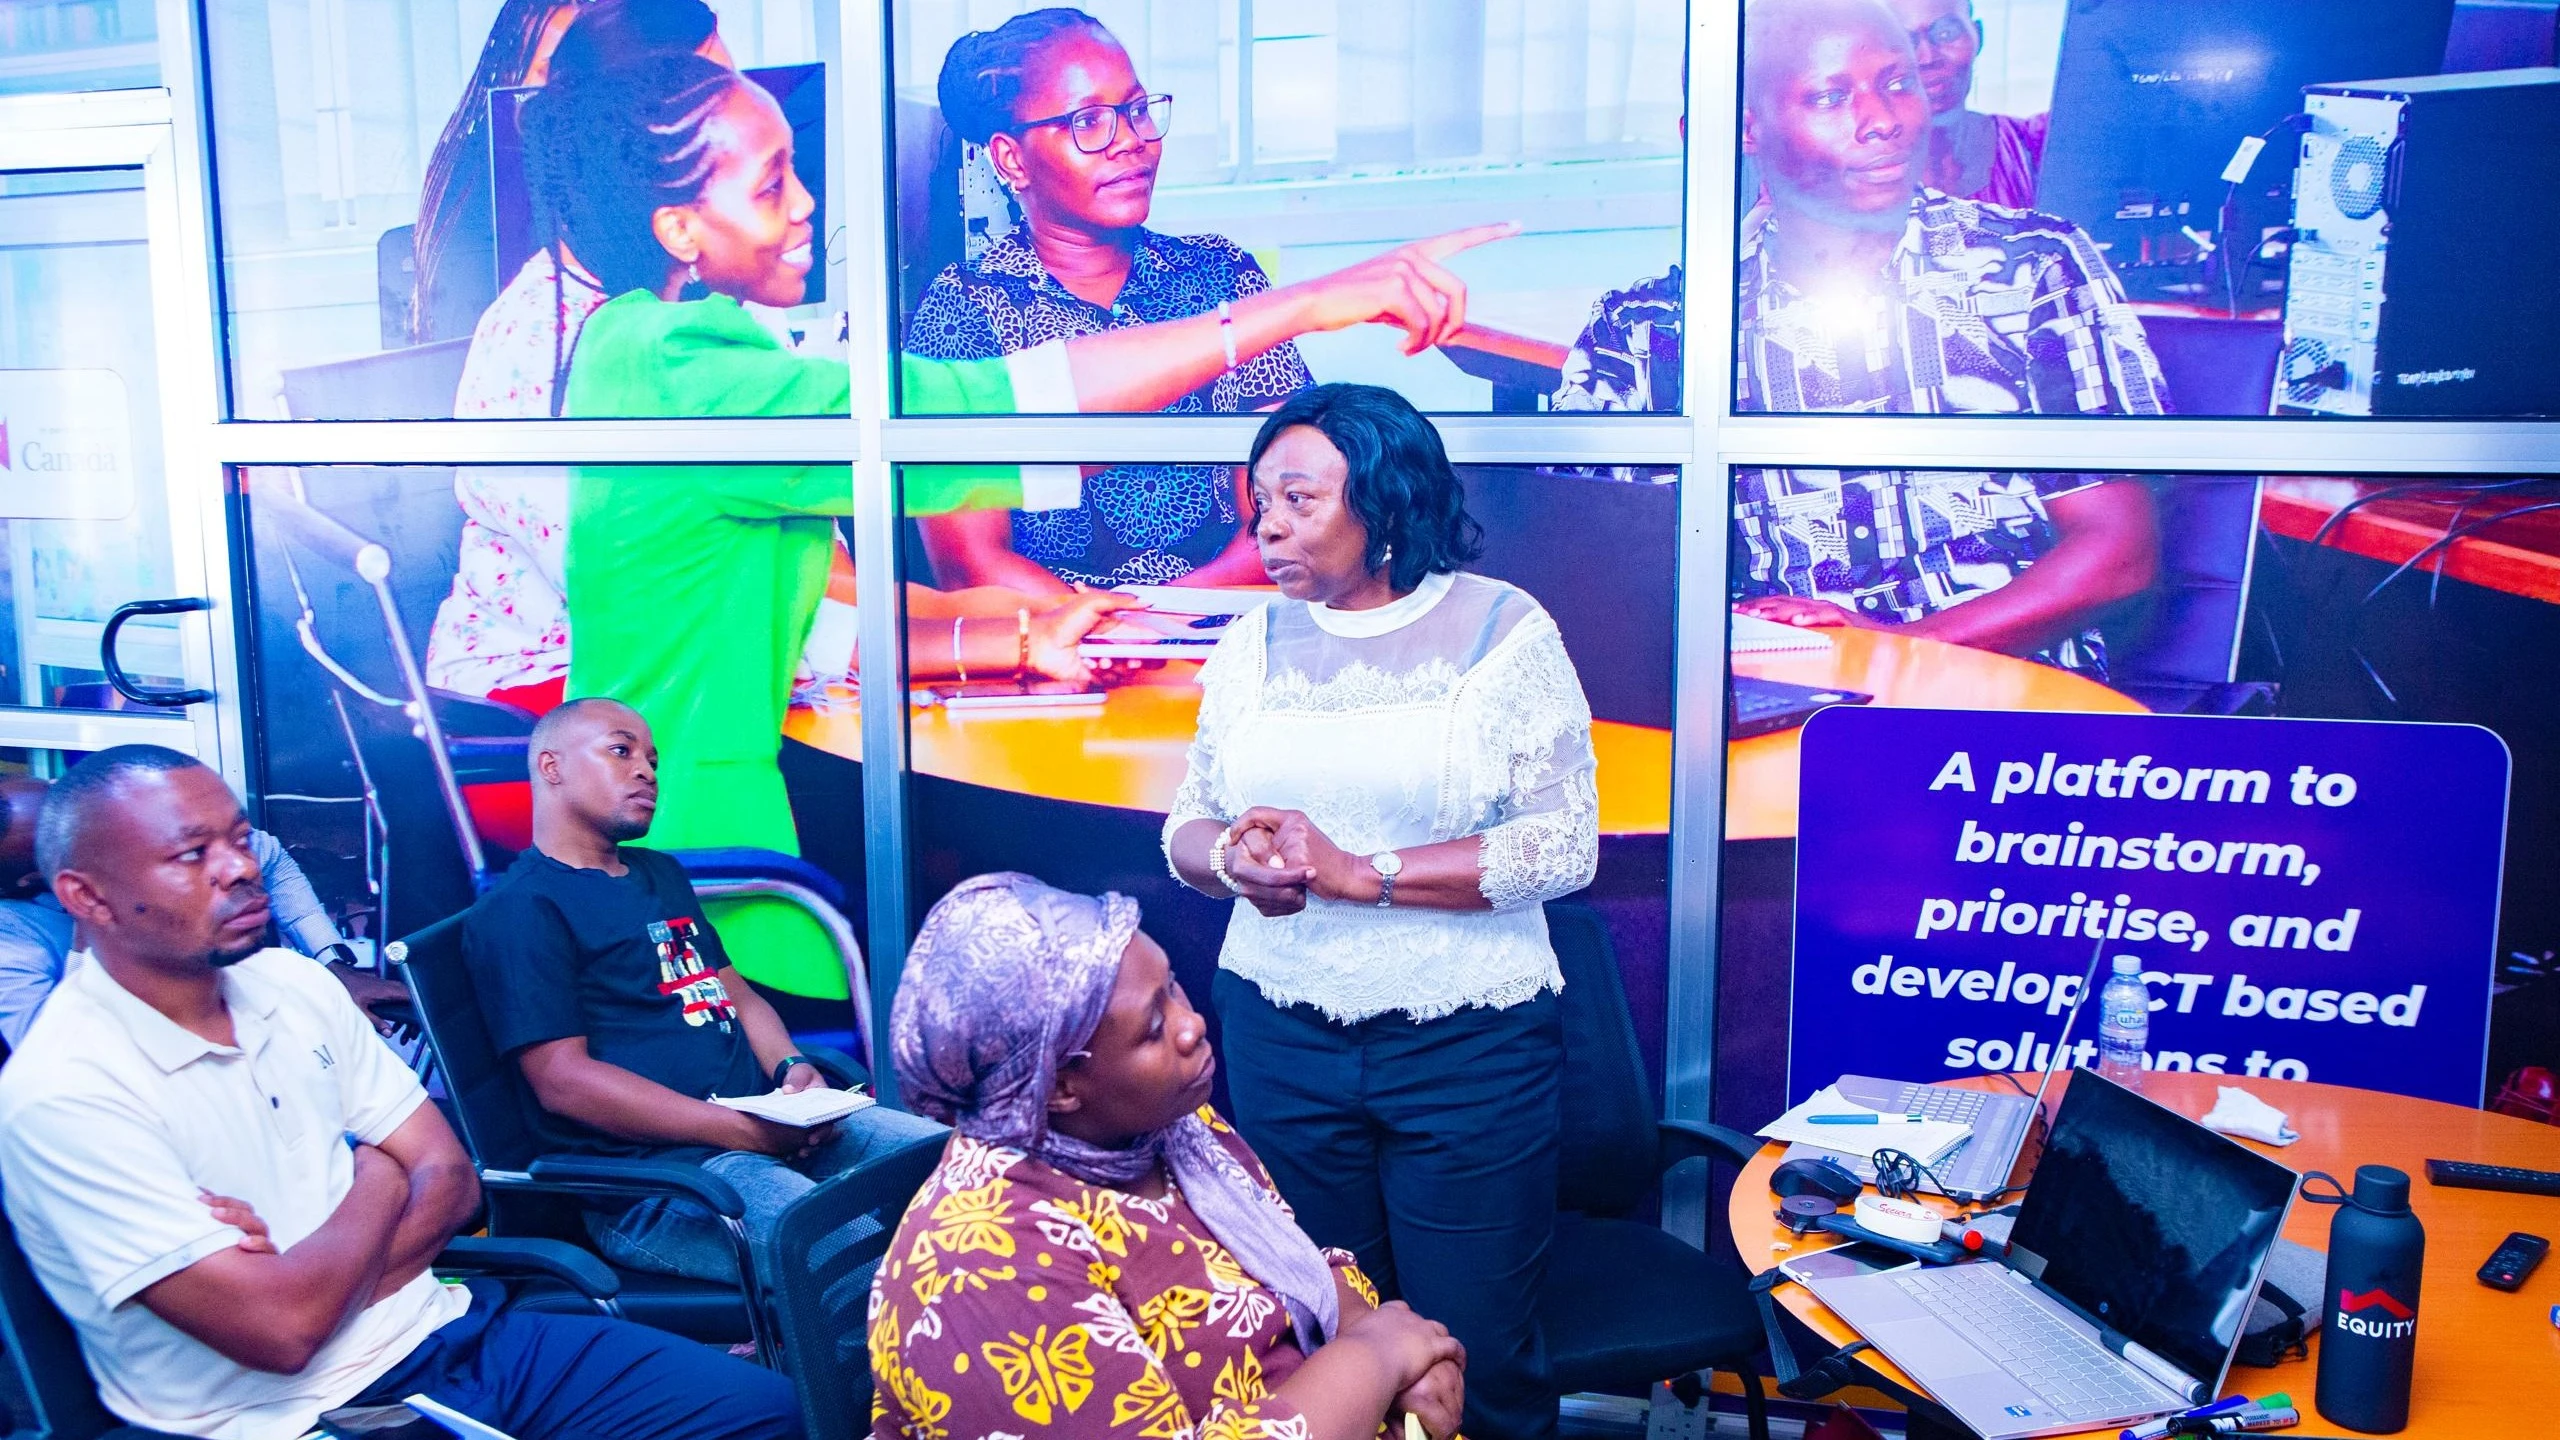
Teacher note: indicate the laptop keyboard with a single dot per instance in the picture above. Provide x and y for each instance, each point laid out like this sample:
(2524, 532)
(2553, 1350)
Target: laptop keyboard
(2063, 1368)
(1940, 1102)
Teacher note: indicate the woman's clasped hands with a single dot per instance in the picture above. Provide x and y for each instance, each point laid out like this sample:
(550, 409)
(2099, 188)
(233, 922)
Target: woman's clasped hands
(1425, 1364)
(1279, 857)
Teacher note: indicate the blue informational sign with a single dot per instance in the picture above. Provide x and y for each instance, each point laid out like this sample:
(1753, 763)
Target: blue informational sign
(2310, 899)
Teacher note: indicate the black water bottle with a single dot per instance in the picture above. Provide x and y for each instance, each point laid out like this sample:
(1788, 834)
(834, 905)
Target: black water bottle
(2377, 1250)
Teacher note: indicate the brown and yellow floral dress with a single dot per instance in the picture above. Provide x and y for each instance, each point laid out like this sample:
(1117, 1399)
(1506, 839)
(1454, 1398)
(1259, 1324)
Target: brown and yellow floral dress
(1017, 1299)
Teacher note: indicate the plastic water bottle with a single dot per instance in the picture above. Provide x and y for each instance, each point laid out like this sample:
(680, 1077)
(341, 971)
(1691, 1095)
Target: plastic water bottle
(2124, 1024)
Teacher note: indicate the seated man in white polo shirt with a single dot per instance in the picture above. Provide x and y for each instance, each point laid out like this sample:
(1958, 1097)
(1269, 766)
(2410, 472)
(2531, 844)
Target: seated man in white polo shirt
(233, 1188)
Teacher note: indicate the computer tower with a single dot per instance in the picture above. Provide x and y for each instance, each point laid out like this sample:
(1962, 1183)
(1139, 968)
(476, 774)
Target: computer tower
(2151, 99)
(2423, 273)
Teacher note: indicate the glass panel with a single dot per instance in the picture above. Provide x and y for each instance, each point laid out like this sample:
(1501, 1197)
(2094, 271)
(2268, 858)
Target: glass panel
(82, 502)
(2290, 597)
(389, 247)
(48, 46)
(1344, 132)
(712, 598)
(2145, 210)
(1072, 782)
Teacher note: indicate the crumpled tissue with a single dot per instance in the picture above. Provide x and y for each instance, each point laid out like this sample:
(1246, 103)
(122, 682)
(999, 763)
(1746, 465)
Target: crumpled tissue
(2237, 1112)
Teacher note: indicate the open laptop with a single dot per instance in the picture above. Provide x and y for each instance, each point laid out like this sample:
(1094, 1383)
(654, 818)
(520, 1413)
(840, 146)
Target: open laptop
(2129, 1273)
(1980, 1166)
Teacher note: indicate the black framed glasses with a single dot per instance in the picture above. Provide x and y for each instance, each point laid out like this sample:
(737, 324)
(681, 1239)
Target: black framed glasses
(1095, 128)
(1943, 33)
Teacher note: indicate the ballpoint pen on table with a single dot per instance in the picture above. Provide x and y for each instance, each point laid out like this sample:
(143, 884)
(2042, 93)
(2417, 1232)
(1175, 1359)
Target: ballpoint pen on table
(1864, 1117)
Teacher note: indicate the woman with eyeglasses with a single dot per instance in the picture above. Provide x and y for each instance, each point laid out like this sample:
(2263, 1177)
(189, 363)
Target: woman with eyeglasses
(1051, 101)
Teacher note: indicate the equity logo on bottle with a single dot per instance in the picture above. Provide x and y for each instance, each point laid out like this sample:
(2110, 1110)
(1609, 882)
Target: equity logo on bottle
(2351, 1317)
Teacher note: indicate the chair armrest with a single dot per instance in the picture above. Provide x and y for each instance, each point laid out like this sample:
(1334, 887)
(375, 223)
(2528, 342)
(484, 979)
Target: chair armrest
(621, 1175)
(841, 1070)
(1691, 1139)
(558, 1259)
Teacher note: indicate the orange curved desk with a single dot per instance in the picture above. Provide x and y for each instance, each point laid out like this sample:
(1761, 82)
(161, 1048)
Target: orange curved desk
(2482, 1353)
(1129, 753)
(1899, 670)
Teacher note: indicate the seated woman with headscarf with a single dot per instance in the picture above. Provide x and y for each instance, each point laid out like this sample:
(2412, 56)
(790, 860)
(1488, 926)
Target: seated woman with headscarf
(1098, 1253)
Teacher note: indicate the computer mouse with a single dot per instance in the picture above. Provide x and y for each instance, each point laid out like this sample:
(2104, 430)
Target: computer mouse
(1815, 1177)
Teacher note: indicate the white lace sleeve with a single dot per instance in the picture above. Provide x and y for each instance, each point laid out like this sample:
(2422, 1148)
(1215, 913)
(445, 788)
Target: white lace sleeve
(1530, 712)
(1229, 686)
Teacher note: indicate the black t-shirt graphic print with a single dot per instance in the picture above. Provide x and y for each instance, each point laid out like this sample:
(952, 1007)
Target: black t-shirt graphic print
(628, 962)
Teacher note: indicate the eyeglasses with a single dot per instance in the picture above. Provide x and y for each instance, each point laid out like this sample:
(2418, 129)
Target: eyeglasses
(1945, 32)
(1094, 128)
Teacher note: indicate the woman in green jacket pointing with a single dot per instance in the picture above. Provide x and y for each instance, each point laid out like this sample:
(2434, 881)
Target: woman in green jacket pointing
(691, 589)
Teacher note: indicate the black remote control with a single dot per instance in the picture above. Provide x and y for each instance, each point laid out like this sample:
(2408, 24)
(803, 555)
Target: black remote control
(2463, 1175)
(2513, 1260)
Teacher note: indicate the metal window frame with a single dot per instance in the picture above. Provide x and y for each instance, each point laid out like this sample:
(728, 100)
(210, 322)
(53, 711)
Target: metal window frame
(1707, 443)
(141, 130)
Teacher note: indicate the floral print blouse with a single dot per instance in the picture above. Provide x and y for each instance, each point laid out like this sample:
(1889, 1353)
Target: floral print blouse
(1139, 524)
(506, 621)
(1017, 1299)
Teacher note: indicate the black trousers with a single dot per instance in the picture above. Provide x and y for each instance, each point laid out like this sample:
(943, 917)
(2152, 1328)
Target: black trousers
(1428, 1149)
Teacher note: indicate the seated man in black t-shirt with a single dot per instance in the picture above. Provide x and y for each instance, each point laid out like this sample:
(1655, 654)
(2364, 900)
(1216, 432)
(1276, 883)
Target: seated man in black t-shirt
(601, 980)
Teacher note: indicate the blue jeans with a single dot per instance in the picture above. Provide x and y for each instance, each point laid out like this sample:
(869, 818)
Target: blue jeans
(584, 1377)
(1427, 1149)
(679, 1237)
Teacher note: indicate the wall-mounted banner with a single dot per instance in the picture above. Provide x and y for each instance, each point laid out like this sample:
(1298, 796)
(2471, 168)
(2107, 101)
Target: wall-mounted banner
(2310, 899)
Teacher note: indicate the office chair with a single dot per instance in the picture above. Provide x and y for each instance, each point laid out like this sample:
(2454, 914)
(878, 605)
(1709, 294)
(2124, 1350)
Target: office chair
(62, 1397)
(1626, 1303)
(837, 1235)
(2176, 647)
(473, 742)
(535, 1192)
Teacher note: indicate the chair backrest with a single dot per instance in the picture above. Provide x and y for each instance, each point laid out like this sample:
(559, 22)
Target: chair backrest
(1609, 1154)
(490, 1098)
(2187, 631)
(835, 1237)
(46, 1351)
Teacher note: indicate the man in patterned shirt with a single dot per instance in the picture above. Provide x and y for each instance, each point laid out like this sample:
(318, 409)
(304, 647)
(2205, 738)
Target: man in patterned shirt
(1860, 289)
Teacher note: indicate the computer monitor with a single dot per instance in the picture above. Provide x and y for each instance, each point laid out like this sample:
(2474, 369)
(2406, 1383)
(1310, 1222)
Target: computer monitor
(2150, 1225)
(2151, 98)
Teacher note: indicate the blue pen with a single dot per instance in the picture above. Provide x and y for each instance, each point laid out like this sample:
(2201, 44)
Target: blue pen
(1863, 1117)
(2154, 1429)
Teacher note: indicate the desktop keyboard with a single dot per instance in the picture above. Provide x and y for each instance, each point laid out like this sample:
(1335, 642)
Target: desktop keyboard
(2063, 1367)
(2464, 1175)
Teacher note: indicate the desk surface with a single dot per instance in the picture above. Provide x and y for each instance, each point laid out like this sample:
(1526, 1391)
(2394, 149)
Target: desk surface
(2481, 1352)
(1899, 670)
(1129, 753)
(2521, 557)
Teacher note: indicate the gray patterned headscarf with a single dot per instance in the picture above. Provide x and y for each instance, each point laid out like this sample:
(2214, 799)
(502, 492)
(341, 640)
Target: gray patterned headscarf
(1008, 978)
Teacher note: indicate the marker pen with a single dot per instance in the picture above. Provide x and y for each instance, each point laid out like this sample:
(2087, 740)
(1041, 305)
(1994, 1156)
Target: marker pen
(2254, 1418)
(2154, 1429)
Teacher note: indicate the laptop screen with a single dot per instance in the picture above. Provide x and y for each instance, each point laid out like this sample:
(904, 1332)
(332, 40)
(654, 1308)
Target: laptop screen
(2151, 1224)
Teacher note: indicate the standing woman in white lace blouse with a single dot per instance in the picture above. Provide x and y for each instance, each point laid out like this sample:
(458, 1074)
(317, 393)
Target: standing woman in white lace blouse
(1393, 770)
